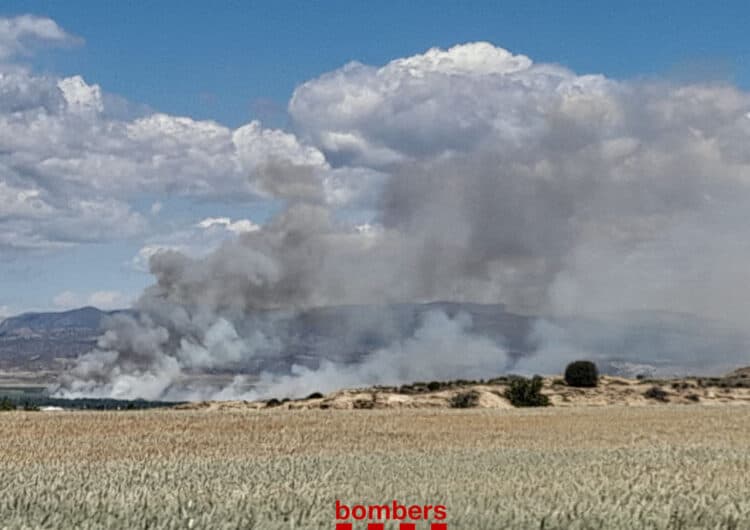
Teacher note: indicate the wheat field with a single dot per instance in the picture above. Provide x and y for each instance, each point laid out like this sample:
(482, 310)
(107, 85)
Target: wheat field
(675, 467)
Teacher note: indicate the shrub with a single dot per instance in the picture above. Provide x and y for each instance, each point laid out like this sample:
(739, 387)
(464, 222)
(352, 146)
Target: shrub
(315, 395)
(581, 374)
(433, 386)
(364, 404)
(6, 404)
(524, 392)
(657, 393)
(273, 402)
(414, 388)
(465, 400)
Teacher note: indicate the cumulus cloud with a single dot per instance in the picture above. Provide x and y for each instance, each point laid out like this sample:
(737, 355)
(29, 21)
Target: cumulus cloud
(69, 155)
(64, 159)
(20, 35)
(33, 218)
(422, 105)
(80, 96)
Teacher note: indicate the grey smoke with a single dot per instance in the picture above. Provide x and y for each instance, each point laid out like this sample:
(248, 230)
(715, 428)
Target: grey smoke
(490, 179)
(440, 348)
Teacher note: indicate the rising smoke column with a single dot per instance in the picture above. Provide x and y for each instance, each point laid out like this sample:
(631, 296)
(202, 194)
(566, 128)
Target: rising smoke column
(489, 178)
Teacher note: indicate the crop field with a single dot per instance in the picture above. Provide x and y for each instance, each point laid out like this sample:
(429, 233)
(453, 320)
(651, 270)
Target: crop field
(671, 466)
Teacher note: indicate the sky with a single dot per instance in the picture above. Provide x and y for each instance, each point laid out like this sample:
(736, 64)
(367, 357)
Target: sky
(130, 127)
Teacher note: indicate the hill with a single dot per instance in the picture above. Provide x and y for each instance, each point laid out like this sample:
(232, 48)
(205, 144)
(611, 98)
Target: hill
(41, 341)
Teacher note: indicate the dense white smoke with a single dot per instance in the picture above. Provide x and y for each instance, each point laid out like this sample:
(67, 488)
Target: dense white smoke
(136, 359)
(488, 178)
(440, 349)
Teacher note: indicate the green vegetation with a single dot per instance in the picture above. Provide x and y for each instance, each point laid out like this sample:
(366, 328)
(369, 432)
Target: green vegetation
(465, 400)
(29, 407)
(35, 400)
(6, 404)
(524, 392)
(434, 386)
(657, 393)
(581, 374)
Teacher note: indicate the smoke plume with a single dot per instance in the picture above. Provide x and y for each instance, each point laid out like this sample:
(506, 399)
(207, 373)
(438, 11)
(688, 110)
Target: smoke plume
(484, 178)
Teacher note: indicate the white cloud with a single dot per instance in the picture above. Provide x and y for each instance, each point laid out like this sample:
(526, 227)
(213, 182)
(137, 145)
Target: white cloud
(19, 35)
(5, 312)
(238, 227)
(80, 96)
(32, 219)
(74, 169)
(437, 102)
(22, 202)
(102, 299)
(70, 165)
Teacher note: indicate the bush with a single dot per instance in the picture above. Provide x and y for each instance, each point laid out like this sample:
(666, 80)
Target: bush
(315, 395)
(465, 400)
(524, 392)
(581, 374)
(6, 404)
(414, 388)
(657, 393)
(364, 404)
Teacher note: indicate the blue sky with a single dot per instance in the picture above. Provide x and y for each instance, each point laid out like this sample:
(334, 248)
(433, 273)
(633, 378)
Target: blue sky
(234, 62)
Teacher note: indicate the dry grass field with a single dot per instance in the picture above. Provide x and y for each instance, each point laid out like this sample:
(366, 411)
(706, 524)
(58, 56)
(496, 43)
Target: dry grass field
(672, 466)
